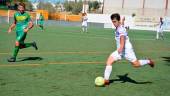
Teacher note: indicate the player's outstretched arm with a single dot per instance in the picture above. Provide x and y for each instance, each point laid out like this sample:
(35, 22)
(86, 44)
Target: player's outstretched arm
(12, 27)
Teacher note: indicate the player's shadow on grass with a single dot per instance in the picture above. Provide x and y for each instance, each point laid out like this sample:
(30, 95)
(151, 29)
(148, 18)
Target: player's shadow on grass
(30, 59)
(125, 78)
(167, 59)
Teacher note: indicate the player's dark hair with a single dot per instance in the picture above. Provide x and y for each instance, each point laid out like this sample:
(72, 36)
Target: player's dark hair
(22, 4)
(115, 16)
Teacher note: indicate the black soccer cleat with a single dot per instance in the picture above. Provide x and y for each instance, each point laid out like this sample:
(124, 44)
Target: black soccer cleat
(12, 59)
(35, 45)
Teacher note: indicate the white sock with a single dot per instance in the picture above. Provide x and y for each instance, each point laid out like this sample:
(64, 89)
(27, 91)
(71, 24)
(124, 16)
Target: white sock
(144, 62)
(107, 72)
(83, 29)
(86, 29)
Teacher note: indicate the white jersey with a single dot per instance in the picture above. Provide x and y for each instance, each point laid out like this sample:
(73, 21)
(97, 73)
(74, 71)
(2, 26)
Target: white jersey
(84, 19)
(160, 27)
(119, 32)
(127, 52)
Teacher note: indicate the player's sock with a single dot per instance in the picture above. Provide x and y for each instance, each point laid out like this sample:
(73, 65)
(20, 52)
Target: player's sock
(28, 45)
(144, 62)
(16, 50)
(107, 72)
(86, 29)
(83, 29)
(157, 35)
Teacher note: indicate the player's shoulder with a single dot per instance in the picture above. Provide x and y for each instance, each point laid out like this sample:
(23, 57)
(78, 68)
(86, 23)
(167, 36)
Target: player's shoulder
(121, 29)
(26, 13)
(16, 13)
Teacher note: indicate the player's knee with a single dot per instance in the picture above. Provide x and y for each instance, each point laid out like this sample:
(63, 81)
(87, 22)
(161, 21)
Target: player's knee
(110, 60)
(16, 43)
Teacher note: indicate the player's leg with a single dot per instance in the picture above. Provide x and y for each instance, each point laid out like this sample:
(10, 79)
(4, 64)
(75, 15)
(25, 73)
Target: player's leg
(26, 45)
(86, 28)
(130, 55)
(157, 33)
(15, 52)
(161, 34)
(83, 28)
(139, 63)
(41, 25)
(111, 59)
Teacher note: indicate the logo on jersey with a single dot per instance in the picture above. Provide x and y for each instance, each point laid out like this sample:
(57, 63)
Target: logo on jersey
(21, 18)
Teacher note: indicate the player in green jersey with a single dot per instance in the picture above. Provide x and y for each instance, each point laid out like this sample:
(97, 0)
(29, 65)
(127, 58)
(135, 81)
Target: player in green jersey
(40, 21)
(23, 23)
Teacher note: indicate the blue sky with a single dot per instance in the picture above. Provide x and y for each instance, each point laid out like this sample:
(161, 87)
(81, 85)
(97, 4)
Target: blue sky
(53, 1)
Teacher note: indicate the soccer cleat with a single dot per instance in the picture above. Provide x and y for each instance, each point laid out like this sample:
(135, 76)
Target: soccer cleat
(35, 45)
(151, 63)
(12, 59)
(106, 82)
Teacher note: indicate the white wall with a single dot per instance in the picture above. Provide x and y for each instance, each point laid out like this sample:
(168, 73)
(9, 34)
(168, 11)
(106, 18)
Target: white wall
(99, 18)
(157, 4)
(113, 3)
(133, 3)
(140, 23)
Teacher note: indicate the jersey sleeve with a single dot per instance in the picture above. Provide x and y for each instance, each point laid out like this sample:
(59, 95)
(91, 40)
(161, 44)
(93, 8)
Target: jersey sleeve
(122, 31)
(28, 17)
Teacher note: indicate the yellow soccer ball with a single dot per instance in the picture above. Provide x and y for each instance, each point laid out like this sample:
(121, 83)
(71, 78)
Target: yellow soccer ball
(99, 81)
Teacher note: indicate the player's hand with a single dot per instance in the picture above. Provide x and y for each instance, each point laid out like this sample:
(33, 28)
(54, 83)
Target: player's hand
(26, 30)
(9, 30)
(119, 50)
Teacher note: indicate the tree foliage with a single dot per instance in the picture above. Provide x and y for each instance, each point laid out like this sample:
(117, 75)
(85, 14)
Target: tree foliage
(74, 7)
(93, 5)
(46, 6)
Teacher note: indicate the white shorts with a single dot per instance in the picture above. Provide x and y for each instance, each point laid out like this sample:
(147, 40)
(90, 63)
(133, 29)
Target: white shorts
(84, 24)
(128, 54)
(159, 30)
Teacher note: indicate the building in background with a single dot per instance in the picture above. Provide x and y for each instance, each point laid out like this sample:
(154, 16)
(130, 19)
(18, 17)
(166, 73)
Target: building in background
(141, 7)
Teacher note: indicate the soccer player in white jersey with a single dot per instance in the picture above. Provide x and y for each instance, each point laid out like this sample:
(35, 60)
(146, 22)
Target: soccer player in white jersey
(124, 49)
(84, 22)
(160, 29)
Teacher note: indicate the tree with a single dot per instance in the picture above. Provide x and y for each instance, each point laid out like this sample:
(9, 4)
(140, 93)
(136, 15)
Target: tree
(77, 8)
(29, 6)
(94, 5)
(46, 6)
(73, 7)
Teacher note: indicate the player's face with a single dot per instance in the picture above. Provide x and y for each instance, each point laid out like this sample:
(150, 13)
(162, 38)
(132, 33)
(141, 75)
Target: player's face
(21, 8)
(115, 22)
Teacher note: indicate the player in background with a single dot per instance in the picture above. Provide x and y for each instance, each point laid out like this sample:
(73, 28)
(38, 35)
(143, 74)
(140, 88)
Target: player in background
(23, 24)
(40, 21)
(84, 22)
(124, 49)
(159, 32)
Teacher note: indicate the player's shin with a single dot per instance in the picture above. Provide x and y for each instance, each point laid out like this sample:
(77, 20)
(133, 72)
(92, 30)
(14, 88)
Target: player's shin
(16, 50)
(107, 72)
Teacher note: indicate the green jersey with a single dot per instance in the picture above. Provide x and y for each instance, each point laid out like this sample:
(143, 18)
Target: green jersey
(41, 17)
(22, 20)
(41, 20)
